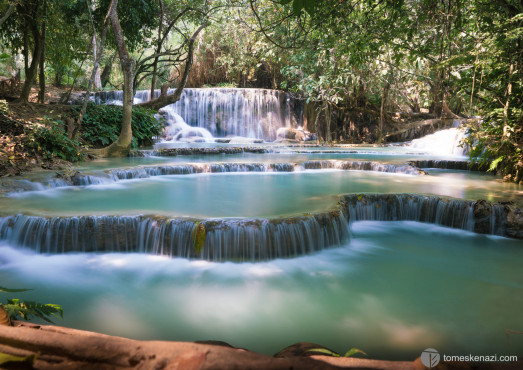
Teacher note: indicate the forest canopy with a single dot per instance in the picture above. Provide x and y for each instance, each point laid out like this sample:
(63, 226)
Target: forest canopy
(352, 62)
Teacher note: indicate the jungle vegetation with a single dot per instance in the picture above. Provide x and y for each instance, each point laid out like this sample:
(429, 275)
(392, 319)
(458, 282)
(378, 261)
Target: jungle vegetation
(354, 62)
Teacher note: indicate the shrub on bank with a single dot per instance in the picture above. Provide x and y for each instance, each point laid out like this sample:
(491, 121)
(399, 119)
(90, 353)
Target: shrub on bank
(101, 125)
(51, 141)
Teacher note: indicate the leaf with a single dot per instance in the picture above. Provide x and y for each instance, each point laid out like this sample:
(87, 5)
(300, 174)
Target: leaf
(325, 351)
(198, 237)
(7, 358)
(355, 351)
(7, 290)
(297, 6)
(309, 6)
(495, 163)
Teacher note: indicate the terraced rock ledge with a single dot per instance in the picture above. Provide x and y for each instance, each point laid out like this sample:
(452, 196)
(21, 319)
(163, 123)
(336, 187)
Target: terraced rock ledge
(253, 239)
(141, 172)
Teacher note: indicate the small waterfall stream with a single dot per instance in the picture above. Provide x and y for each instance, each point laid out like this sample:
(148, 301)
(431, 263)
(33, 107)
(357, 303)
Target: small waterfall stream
(447, 142)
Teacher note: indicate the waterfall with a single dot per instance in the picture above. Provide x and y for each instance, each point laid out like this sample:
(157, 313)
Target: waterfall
(444, 142)
(143, 172)
(252, 239)
(449, 165)
(231, 239)
(478, 216)
(221, 112)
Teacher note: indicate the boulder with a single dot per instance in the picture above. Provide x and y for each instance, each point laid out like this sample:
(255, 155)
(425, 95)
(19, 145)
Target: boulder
(291, 133)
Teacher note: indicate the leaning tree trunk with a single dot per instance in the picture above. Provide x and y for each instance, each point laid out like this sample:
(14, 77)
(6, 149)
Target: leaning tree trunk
(122, 146)
(164, 100)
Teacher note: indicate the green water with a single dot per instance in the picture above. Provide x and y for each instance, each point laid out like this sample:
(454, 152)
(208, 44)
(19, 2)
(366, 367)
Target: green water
(248, 194)
(395, 289)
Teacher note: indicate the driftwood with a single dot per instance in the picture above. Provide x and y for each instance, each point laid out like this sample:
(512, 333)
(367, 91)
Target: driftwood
(54, 347)
(64, 348)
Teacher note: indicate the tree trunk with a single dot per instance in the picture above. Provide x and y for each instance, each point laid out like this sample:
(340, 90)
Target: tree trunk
(163, 101)
(159, 43)
(382, 110)
(122, 146)
(92, 80)
(506, 105)
(97, 83)
(8, 12)
(328, 119)
(58, 77)
(30, 12)
(317, 126)
(41, 77)
(106, 73)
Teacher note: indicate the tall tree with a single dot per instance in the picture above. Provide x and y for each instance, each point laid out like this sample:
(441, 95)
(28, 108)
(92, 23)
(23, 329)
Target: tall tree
(30, 11)
(122, 145)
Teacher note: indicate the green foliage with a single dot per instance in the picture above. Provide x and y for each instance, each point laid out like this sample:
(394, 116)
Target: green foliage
(50, 141)
(137, 18)
(101, 125)
(353, 352)
(7, 359)
(4, 107)
(17, 308)
(26, 309)
(7, 290)
(498, 138)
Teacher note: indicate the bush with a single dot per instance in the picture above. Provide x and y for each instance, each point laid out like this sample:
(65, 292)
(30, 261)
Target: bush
(51, 141)
(101, 125)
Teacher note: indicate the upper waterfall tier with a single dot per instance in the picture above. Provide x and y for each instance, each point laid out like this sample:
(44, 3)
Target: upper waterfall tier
(252, 113)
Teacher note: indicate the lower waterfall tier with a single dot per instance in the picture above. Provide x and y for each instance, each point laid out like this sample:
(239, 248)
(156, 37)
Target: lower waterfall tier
(252, 239)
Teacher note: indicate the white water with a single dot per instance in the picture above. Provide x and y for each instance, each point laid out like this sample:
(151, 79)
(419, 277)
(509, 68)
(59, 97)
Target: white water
(445, 142)
(393, 290)
(205, 113)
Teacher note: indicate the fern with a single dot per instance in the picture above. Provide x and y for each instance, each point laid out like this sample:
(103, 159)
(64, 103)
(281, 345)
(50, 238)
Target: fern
(17, 308)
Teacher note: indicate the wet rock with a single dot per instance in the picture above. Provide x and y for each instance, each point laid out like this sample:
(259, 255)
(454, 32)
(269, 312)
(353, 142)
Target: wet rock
(514, 221)
(290, 133)
(450, 165)
(15, 186)
(482, 216)
(168, 152)
(304, 349)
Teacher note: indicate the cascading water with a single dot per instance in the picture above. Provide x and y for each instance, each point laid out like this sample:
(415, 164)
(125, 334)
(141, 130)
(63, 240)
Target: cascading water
(246, 239)
(240, 240)
(220, 112)
(447, 142)
(252, 113)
